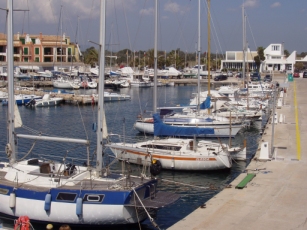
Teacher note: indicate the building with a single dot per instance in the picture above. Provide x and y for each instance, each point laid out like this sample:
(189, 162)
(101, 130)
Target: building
(234, 60)
(41, 49)
(275, 60)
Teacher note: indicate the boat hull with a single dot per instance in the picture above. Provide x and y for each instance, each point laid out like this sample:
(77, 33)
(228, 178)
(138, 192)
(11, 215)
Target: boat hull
(197, 162)
(110, 208)
(219, 130)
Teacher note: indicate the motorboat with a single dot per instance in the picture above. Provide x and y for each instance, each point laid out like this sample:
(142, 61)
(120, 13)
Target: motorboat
(46, 101)
(22, 99)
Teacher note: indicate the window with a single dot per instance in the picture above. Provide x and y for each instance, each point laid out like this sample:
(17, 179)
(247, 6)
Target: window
(33, 40)
(37, 59)
(231, 56)
(36, 50)
(26, 59)
(275, 48)
(69, 51)
(93, 198)
(22, 41)
(66, 196)
(25, 50)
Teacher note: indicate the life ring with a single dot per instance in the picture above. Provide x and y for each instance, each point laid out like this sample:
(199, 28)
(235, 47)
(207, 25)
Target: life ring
(155, 167)
(22, 223)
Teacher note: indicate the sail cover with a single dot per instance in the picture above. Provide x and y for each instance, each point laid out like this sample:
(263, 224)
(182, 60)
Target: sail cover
(206, 104)
(161, 129)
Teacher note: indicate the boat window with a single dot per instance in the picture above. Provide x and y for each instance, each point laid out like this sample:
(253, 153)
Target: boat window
(4, 191)
(66, 196)
(93, 198)
(163, 147)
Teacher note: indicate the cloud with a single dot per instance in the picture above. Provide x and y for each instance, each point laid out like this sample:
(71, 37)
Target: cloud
(48, 11)
(174, 8)
(148, 11)
(275, 5)
(250, 3)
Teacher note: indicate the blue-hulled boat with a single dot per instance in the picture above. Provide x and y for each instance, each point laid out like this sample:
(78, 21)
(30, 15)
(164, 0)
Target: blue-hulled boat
(57, 192)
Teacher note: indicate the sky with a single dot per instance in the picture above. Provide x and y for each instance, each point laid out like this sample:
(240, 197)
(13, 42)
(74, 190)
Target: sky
(130, 23)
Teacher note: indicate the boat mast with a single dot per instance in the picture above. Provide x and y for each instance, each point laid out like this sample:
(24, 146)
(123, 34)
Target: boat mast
(99, 160)
(155, 58)
(198, 60)
(209, 44)
(10, 70)
(244, 44)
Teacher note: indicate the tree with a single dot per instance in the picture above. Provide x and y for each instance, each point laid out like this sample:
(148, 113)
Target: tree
(299, 66)
(91, 56)
(260, 57)
(286, 52)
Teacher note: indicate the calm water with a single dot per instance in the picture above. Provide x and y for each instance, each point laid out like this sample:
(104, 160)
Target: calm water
(76, 122)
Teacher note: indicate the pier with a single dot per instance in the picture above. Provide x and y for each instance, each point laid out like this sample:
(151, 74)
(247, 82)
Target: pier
(274, 197)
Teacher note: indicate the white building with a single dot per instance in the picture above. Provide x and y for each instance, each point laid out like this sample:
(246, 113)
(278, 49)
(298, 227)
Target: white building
(275, 59)
(234, 60)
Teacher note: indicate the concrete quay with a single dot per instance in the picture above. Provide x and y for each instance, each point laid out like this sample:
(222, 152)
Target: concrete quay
(276, 197)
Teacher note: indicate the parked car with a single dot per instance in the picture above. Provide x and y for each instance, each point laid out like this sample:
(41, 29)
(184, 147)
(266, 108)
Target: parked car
(255, 76)
(229, 74)
(296, 74)
(220, 78)
(305, 75)
(239, 75)
(267, 78)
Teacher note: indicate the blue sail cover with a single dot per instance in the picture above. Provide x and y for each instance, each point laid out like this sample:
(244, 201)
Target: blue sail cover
(161, 129)
(206, 104)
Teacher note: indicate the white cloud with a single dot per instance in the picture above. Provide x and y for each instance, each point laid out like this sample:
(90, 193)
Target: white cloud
(275, 5)
(148, 11)
(250, 3)
(172, 7)
(48, 11)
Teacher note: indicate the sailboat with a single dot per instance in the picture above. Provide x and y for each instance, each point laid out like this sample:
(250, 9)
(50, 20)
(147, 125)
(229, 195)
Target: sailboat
(193, 118)
(173, 153)
(54, 192)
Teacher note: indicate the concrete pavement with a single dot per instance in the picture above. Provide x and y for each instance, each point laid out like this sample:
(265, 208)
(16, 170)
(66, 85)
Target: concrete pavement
(277, 197)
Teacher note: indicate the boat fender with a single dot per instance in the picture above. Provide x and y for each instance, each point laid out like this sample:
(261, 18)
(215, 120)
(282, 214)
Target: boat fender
(94, 127)
(12, 202)
(79, 206)
(155, 167)
(47, 202)
(22, 223)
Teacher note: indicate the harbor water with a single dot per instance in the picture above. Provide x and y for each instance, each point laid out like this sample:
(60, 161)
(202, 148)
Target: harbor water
(76, 121)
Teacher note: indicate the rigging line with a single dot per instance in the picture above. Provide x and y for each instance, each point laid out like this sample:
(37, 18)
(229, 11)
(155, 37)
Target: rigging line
(82, 121)
(89, 21)
(251, 32)
(23, 21)
(214, 32)
(28, 16)
(180, 25)
(194, 186)
(56, 42)
(139, 24)
(127, 26)
(115, 12)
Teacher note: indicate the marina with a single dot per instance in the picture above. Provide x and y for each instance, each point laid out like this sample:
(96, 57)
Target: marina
(142, 148)
(196, 187)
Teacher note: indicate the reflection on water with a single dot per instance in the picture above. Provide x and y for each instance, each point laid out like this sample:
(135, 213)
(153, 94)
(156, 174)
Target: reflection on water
(74, 121)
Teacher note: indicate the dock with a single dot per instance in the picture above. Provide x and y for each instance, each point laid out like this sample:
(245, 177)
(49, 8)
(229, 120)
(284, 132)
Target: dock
(273, 195)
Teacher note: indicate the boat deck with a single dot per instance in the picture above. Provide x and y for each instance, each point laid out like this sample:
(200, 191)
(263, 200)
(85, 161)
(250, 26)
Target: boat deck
(106, 183)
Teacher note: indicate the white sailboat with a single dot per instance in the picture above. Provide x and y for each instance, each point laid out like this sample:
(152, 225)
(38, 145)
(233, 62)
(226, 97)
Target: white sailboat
(192, 118)
(173, 153)
(52, 192)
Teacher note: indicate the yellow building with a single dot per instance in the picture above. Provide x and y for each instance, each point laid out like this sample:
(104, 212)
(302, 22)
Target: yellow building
(41, 48)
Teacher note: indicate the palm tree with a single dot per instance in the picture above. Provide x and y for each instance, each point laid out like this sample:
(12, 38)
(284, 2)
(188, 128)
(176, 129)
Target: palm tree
(91, 56)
